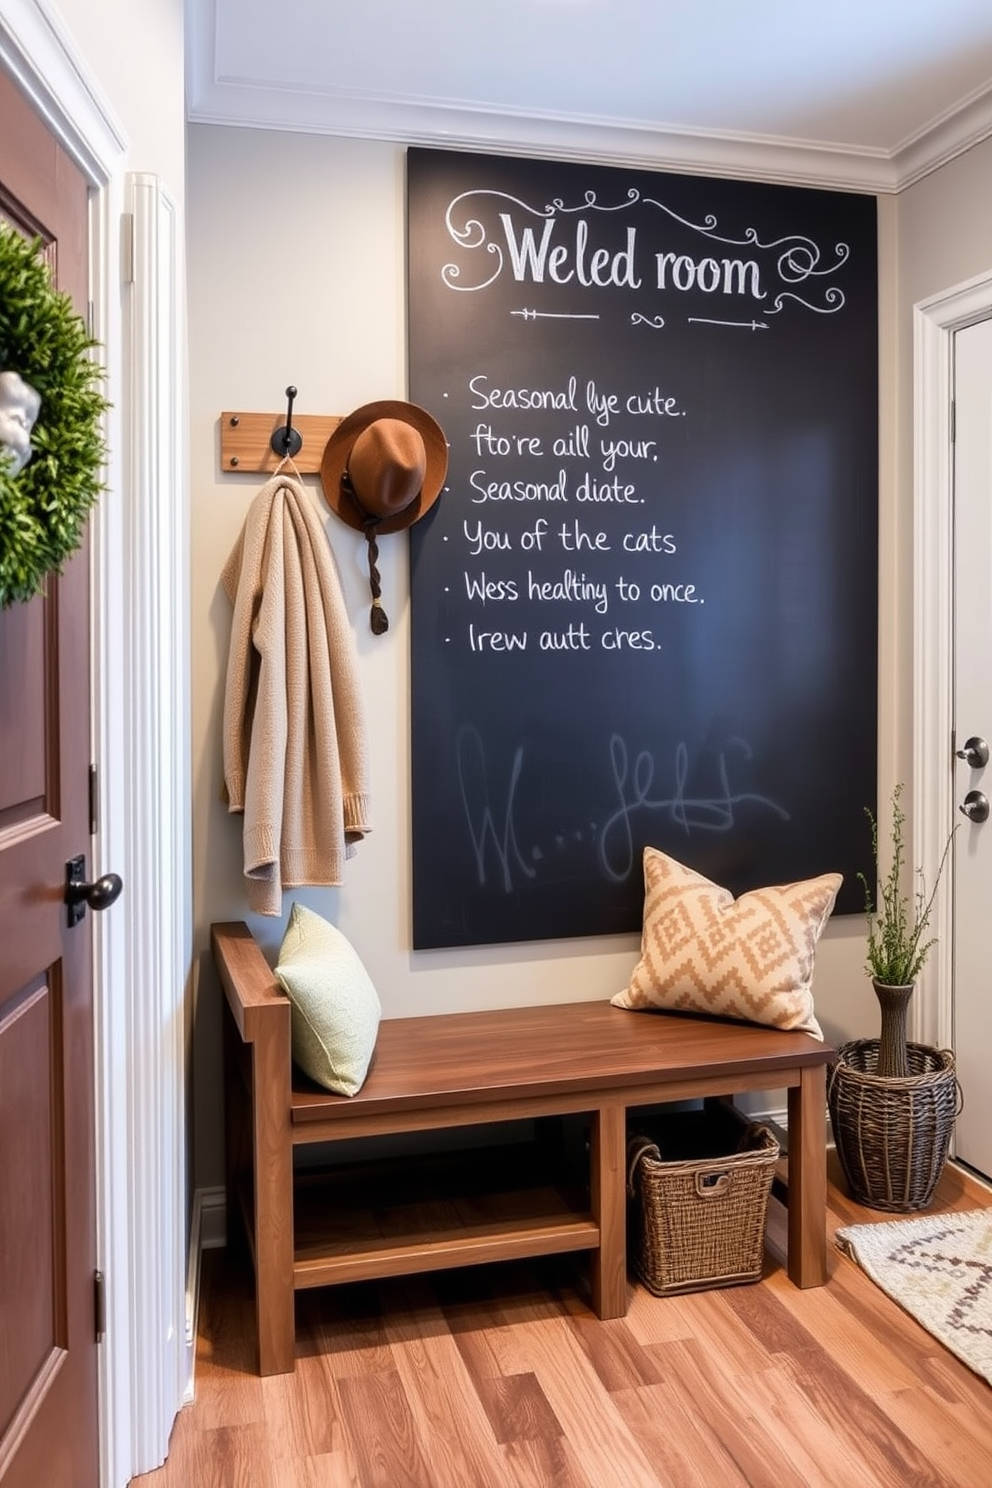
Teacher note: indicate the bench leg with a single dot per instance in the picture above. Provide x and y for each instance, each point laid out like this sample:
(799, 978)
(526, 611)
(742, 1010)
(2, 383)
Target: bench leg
(808, 1178)
(608, 1175)
(274, 1295)
(237, 1130)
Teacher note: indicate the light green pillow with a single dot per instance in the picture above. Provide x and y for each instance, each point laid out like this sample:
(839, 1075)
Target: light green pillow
(335, 1007)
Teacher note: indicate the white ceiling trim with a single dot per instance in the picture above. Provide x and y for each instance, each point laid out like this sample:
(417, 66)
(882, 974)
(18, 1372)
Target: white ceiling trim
(213, 98)
(755, 159)
(943, 140)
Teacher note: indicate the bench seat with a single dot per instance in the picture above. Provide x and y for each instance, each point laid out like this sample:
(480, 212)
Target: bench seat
(456, 1070)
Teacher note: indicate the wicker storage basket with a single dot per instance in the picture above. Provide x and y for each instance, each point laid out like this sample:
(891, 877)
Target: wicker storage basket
(892, 1132)
(699, 1187)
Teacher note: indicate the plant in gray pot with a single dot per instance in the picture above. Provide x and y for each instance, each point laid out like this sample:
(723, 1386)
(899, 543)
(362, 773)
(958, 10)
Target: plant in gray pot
(893, 1103)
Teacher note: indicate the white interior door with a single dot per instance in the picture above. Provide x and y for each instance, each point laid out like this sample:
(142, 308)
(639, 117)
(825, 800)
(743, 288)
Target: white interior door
(972, 859)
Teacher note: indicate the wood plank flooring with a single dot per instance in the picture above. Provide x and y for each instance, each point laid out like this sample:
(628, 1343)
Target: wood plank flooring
(501, 1377)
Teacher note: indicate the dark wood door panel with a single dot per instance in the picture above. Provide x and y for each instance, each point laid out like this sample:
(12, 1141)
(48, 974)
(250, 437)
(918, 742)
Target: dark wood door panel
(43, 189)
(28, 741)
(48, 1374)
(32, 1278)
(31, 891)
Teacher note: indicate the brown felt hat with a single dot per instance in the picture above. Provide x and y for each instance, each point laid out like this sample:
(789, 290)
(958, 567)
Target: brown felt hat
(384, 466)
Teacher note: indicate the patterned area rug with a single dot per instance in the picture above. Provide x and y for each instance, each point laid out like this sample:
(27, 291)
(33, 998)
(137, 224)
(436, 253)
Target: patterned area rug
(939, 1269)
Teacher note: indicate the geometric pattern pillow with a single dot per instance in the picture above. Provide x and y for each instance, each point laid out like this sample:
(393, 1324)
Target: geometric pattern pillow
(335, 1009)
(750, 958)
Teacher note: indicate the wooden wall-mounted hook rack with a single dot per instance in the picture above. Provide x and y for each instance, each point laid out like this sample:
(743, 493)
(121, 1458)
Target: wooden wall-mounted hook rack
(246, 441)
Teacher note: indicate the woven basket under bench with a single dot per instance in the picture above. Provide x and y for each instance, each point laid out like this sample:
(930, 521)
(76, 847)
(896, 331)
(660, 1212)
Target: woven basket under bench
(698, 1184)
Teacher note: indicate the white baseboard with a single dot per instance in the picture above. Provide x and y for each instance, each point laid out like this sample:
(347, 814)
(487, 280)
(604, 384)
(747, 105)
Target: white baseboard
(207, 1231)
(213, 1218)
(778, 1119)
(774, 1116)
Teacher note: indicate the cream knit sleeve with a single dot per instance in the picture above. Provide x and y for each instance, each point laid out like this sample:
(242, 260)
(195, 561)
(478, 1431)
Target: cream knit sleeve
(343, 685)
(244, 592)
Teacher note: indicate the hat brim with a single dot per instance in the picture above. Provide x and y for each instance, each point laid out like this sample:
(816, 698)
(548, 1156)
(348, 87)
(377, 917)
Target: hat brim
(338, 450)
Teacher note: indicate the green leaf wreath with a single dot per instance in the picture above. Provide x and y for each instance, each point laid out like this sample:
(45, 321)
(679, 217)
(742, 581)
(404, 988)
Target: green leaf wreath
(43, 508)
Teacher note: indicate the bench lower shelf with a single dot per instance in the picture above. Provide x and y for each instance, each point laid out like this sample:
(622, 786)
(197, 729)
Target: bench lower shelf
(361, 1221)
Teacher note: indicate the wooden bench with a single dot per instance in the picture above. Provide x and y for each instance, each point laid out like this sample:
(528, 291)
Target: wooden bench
(463, 1070)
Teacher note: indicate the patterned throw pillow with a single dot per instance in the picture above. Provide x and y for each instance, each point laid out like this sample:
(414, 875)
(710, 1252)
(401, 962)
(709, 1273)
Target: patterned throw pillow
(335, 1008)
(750, 958)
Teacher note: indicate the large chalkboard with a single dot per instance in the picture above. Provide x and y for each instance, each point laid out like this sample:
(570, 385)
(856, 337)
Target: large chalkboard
(644, 608)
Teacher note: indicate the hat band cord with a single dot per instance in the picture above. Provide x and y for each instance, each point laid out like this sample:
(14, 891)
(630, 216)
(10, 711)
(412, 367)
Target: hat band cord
(378, 619)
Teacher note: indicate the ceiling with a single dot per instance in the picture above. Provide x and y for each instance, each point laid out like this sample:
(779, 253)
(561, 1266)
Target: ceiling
(869, 94)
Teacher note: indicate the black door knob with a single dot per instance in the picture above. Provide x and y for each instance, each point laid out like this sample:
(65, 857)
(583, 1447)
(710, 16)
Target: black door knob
(975, 806)
(100, 894)
(975, 752)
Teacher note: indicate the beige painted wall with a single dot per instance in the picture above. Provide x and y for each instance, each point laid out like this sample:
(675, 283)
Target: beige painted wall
(944, 238)
(296, 274)
(134, 50)
(944, 230)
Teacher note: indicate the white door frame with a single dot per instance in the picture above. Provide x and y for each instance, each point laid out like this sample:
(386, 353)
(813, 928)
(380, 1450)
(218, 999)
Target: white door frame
(140, 682)
(935, 321)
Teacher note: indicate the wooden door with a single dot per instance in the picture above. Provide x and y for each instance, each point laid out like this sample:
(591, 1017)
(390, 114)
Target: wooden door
(48, 1366)
(972, 863)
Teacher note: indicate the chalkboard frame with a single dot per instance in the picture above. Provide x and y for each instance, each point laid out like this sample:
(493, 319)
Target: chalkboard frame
(741, 318)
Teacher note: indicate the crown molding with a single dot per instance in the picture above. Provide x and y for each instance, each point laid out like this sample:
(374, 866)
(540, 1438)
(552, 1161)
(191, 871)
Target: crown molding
(944, 139)
(752, 157)
(227, 99)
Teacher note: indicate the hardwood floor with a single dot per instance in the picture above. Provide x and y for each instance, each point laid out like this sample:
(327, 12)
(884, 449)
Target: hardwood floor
(500, 1377)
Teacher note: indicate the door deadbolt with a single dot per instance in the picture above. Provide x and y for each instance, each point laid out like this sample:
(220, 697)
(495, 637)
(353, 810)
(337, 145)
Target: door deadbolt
(974, 752)
(975, 806)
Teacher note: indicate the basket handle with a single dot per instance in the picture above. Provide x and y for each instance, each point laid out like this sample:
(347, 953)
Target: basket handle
(712, 1185)
(755, 1136)
(637, 1148)
(958, 1092)
(832, 1072)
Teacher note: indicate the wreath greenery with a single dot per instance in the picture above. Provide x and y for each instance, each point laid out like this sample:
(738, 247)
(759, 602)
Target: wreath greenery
(44, 507)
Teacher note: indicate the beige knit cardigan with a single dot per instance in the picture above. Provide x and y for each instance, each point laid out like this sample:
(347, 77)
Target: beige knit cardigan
(295, 745)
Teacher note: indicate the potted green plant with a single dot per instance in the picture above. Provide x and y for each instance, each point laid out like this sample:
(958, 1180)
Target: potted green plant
(897, 937)
(893, 1103)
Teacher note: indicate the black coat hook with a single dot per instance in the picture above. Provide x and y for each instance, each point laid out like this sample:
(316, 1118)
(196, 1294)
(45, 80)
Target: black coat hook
(286, 440)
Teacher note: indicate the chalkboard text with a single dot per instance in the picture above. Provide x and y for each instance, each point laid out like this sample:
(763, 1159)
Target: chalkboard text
(591, 252)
